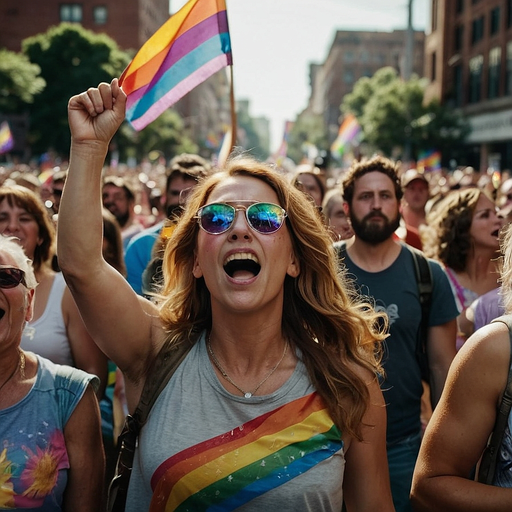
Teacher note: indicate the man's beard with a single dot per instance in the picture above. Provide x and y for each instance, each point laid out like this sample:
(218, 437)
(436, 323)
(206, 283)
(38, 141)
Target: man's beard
(173, 211)
(122, 220)
(374, 233)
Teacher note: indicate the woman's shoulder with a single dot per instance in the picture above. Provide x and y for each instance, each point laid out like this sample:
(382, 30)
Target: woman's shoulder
(63, 377)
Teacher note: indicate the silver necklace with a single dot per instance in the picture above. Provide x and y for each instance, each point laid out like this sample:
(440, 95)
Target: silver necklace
(247, 394)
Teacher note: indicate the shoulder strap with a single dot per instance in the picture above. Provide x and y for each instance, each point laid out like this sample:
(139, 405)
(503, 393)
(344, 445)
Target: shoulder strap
(487, 468)
(159, 374)
(424, 279)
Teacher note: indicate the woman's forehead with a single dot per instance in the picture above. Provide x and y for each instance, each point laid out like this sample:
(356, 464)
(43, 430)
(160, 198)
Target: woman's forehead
(242, 188)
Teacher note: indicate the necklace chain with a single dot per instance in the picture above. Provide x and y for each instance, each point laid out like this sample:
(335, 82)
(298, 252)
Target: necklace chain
(247, 394)
(20, 366)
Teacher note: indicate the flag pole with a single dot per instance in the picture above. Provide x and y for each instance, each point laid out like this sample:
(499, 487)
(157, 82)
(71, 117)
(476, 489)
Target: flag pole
(233, 109)
(230, 137)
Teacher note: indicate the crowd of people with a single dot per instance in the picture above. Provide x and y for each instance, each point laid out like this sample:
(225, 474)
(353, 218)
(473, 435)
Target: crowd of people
(296, 299)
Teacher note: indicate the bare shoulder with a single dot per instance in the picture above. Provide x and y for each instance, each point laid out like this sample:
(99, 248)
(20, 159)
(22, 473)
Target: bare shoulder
(489, 345)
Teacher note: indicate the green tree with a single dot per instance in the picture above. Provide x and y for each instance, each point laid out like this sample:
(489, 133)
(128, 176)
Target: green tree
(71, 60)
(395, 120)
(19, 82)
(164, 134)
(308, 130)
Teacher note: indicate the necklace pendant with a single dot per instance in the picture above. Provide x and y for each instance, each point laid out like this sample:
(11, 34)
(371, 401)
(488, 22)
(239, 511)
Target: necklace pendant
(247, 395)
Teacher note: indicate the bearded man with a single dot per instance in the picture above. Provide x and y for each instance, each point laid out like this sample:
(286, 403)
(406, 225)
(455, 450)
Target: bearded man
(382, 268)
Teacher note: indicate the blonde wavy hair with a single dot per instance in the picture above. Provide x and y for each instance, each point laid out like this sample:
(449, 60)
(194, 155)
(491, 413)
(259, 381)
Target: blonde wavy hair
(322, 317)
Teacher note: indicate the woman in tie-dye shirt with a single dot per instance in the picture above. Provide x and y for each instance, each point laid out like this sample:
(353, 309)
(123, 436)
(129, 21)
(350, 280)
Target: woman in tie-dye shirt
(277, 404)
(51, 457)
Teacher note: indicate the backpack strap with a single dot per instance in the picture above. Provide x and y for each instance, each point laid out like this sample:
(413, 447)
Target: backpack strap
(424, 279)
(487, 468)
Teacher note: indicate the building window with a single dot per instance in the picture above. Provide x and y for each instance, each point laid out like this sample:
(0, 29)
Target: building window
(433, 64)
(477, 30)
(459, 6)
(475, 78)
(495, 21)
(100, 15)
(71, 12)
(508, 74)
(348, 57)
(458, 93)
(348, 76)
(434, 15)
(509, 13)
(459, 37)
(493, 89)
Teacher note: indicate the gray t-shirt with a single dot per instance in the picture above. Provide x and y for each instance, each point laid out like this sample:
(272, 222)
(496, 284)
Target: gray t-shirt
(204, 448)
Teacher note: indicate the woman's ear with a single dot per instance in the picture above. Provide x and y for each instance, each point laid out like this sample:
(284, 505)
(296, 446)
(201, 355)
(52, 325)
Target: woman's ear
(30, 302)
(293, 269)
(196, 269)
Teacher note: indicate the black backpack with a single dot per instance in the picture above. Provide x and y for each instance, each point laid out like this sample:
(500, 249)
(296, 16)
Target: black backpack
(424, 279)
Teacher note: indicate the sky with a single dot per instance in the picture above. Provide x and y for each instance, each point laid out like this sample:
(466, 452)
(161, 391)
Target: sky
(274, 41)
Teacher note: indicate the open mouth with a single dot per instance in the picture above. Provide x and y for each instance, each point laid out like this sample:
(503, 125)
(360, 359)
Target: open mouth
(2, 313)
(495, 233)
(242, 266)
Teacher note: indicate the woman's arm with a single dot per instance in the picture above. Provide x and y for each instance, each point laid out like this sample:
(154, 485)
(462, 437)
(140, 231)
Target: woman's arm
(460, 426)
(366, 485)
(86, 354)
(120, 322)
(84, 490)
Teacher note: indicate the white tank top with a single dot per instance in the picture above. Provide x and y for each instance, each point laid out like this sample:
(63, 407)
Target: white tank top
(47, 335)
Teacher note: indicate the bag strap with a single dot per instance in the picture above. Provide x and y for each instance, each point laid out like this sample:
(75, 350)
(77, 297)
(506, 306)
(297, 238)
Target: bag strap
(424, 279)
(159, 374)
(502, 415)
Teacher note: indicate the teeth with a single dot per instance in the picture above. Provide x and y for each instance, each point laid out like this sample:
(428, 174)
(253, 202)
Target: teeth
(242, 256)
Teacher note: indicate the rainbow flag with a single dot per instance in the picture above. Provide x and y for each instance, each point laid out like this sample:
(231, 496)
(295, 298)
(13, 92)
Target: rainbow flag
(349, 130)
(429, 161)
(6, 138)
(189, 48)
(228, 471)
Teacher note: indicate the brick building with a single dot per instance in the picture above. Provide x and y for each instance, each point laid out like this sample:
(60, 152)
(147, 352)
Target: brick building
(353, 55)
(205, 110)
(468, 59)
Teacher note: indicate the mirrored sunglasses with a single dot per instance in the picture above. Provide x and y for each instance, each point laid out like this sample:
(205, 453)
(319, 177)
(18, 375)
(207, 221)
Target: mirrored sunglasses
(10, 277)
(217, 218)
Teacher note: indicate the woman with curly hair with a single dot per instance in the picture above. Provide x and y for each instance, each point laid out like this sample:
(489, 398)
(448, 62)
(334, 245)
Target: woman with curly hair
(464, 229)
(277, 403)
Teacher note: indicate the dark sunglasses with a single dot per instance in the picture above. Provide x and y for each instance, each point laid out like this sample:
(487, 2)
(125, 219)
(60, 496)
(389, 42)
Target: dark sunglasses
(217, 218)
(10, 277)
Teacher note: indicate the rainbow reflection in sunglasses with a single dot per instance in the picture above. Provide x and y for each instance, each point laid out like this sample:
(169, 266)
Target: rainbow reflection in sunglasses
(10, 277)
(217, 218)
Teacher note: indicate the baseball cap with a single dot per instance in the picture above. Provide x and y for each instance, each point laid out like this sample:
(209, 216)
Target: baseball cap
(411, 175)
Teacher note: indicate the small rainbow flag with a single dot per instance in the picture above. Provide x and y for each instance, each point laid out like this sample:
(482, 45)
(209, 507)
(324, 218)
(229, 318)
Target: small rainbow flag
(189, 48)
(6, 138)
(429, 161)
(349, 130)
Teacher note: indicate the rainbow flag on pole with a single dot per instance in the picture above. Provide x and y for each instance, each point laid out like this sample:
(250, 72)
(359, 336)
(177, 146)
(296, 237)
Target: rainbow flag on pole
(429, 161)
(6, 138)
(347, 133)
(189, 48)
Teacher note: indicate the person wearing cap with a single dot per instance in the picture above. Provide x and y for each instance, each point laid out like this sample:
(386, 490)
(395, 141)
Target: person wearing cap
(415, 187)
(119, 199)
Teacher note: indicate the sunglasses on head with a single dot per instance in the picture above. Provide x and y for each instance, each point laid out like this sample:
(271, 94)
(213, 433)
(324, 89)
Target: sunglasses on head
(217, 218)
(10, 277)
